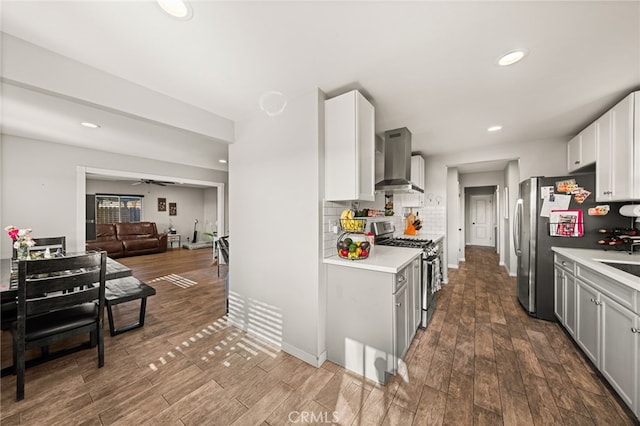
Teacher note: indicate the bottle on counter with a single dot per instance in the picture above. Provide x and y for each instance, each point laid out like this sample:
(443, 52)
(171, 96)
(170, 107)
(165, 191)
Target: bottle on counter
(371, 239)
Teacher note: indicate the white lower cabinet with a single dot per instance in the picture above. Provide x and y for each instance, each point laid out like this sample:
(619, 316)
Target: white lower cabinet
(592, 309)
(588, 321)
(401, 315)
(417, 301)
(370, 318)
(570, 304)
(619, 349)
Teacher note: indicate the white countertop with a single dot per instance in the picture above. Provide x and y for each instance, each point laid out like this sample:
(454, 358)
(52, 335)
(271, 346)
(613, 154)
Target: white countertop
(593, 259)
(381, 259)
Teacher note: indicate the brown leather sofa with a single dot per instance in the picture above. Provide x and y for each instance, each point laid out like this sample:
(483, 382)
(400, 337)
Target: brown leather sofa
(128, 239)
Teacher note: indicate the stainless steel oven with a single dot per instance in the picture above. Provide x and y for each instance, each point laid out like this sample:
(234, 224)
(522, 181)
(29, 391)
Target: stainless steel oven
(431, 264)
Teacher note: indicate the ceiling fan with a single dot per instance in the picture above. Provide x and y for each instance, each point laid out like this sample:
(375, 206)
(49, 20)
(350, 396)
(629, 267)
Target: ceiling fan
(154, 182)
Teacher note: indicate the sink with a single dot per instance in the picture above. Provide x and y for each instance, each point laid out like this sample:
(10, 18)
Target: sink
(630, 268)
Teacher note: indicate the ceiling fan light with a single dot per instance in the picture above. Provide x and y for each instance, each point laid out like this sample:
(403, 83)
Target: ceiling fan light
(512, 57)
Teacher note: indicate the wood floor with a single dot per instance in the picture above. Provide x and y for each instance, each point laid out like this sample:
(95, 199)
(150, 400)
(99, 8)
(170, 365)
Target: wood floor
(481, 361)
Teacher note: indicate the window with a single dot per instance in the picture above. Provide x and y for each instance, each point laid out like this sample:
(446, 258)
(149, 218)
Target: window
(118, 208)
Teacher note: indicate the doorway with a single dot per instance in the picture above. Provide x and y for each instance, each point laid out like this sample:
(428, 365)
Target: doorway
(81, 175)
(481, 217)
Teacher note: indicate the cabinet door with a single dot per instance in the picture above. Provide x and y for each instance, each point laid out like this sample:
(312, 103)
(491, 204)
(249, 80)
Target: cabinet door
(574, 155)
(558, 291)
(417, 297)
(366, 149)
(417, 171)
(588, 321)
(349, 148)
(619, 349)
(588, 144)
(621, 164)
(603, 158)
(570, 303)
(401, 301)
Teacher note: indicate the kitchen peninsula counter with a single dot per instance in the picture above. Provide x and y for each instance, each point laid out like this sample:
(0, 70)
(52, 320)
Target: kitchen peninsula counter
(381, 259)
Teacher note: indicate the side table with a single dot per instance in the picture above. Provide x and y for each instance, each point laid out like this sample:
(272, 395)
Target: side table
(173, 238)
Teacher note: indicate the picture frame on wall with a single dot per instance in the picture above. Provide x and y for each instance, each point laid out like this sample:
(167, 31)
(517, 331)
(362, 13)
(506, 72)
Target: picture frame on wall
(173, 209)
(162, 204)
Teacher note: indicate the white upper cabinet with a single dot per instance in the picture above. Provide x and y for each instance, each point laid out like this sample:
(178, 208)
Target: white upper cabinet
(618, 152)
(417, 178)
(349, 148)
(581, 150)
(417, 171)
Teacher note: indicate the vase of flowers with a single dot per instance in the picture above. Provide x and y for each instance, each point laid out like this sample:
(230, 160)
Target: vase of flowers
(21, 240)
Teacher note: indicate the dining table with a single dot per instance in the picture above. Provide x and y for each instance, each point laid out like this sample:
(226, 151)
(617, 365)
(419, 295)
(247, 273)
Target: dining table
(9, 288)
(9, 275)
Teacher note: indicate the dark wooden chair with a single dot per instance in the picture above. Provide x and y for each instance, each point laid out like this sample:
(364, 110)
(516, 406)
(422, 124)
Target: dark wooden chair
(63, 312)
(8, 310)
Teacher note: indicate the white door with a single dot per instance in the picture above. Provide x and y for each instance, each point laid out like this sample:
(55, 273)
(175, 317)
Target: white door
(481, 220)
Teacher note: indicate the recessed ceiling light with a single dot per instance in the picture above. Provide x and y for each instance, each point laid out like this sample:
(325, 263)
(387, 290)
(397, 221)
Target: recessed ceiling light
(177, 8)
(222, 161)
(90, 125)
(494, 128)
(512, 57)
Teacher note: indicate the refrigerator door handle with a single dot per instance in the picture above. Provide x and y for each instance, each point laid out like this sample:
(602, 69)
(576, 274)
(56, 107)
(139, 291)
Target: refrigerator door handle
(517, 227)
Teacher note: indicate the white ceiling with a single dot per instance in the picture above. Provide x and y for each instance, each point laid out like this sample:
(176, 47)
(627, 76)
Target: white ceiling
(429, 66)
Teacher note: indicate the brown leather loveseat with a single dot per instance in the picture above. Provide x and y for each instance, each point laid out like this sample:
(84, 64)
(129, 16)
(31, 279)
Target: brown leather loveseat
(128, 239)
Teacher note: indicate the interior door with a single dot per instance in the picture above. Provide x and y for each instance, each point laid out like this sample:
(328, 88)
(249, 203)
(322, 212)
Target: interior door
(481, 220)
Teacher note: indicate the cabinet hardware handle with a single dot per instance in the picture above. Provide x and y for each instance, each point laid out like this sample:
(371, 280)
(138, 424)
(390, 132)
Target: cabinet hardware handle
(576, 162)
(593, 300)
(564, 263)
(597, 303)
(402, 279)
(398, 304)
(634, 330)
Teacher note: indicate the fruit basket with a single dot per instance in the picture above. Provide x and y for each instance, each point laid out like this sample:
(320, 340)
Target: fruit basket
(351, 249)
(350, 223)
(353, 225)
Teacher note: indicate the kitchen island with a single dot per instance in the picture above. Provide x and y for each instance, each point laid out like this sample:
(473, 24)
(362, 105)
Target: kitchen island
(373, 309)
(599, 306)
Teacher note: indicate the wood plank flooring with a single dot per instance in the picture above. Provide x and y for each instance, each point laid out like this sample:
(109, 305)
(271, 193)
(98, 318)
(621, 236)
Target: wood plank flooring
(481, 361)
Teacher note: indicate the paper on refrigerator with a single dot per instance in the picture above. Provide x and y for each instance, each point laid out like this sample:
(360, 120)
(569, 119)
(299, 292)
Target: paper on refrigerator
(555, 202)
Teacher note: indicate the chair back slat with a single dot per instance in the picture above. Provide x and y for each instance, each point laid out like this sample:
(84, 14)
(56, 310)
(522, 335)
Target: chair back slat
(58, 301)
(40, 280)
(60, 264)
(61, 281)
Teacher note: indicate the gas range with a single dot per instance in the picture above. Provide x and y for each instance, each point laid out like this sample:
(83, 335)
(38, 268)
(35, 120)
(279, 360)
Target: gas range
(383, 232)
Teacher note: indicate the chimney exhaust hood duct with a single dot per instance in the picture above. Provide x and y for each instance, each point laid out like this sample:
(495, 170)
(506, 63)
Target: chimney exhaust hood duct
(397, 163)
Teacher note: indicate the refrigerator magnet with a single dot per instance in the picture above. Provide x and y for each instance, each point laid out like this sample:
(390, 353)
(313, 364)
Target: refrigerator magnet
(581, 195)
(598, 210)
(567, 186)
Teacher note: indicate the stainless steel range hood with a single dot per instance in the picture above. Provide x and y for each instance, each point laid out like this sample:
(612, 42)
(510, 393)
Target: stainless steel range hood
(397, 163)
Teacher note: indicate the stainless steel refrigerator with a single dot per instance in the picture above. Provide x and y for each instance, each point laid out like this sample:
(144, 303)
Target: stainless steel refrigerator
(532, 240)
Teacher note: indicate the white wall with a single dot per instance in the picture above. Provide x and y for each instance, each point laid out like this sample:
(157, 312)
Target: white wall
(276, 283)
(39, 188)
(190, 204)
(454, 218)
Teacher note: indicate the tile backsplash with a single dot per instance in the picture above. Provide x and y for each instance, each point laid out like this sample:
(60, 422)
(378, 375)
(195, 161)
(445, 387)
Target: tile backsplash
(433, 217)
